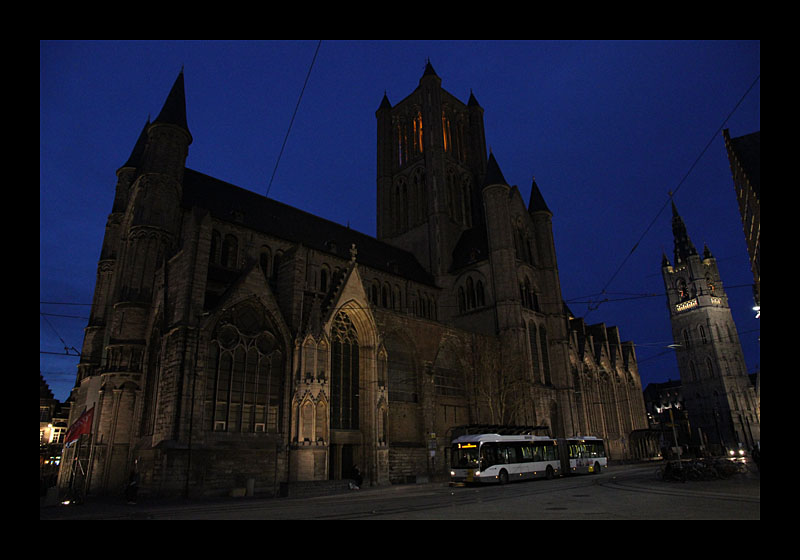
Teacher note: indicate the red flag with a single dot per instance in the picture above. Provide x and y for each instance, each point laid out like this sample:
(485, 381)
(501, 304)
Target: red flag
(83, 425)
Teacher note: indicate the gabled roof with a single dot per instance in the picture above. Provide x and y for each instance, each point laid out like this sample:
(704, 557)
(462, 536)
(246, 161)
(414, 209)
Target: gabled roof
(234, 204)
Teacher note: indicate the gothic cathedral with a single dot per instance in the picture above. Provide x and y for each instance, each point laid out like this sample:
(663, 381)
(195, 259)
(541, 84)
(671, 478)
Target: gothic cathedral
(235, 341)
(719, 397)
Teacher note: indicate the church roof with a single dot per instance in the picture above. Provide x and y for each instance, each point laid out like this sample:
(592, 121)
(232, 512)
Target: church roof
(234, 204)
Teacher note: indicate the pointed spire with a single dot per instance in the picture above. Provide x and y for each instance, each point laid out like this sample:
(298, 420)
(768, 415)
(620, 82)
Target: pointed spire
(174, 110)
(472, 102)
(493, 174)
(138, 149)
(536, 202)
(429, 71)
(385, 102)
(429, 75)
(684, 248)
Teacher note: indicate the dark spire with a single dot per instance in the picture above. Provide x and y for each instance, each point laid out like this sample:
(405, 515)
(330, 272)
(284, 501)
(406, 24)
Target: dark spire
(493, 174)
(136, 155)
(429, 71)
(385, 102)
(429, 76)
(174, 110)
(472, 102)
(537, 203)
(684, 248)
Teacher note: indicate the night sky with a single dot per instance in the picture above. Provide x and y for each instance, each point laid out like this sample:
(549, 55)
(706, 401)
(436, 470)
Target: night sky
(608, 129)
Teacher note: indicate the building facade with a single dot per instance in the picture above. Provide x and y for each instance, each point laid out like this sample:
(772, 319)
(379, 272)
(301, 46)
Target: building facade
(718, 395)
(744, 156)
(235, 341)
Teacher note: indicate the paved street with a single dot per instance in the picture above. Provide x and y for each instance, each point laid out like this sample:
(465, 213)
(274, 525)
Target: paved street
(624, 492)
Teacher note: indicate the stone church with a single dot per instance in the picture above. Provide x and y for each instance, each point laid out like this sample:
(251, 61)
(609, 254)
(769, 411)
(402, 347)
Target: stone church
(235, 341)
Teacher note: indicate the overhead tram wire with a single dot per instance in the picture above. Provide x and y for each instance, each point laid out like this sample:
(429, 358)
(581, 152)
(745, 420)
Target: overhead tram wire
(269, 186)
(595, 305)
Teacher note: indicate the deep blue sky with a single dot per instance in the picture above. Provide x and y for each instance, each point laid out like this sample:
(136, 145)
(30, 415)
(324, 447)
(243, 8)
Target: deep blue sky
(608, 129)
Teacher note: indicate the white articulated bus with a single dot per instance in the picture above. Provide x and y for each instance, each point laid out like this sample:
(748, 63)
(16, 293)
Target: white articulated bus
(582, 454)
(498, 458)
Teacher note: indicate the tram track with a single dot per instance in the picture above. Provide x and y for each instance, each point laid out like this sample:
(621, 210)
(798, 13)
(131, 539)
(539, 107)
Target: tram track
(639, 483)
(464, 497)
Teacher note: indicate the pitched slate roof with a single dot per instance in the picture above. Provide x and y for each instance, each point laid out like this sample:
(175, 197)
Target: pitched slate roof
(234, 204)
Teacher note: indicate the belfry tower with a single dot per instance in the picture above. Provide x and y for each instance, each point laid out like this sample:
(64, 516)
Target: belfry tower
(723, 410)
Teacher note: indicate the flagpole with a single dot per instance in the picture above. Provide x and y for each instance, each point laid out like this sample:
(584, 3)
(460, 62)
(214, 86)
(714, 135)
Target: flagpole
(76, 432)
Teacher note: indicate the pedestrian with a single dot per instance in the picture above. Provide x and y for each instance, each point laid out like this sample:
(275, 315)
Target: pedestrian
(132, 488)
(355, 474)
(756, 454)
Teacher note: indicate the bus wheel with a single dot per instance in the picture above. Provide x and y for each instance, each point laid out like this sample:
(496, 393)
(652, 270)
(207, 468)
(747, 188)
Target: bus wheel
(597, 468)
(503, 477)
(549, 473)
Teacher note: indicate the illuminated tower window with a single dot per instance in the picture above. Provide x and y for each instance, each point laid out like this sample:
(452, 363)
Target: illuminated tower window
(418, 132)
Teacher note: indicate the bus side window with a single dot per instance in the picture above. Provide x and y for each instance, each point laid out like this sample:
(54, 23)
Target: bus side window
(488, 455)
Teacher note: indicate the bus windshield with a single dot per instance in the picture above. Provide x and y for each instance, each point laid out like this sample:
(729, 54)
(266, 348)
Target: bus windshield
(465, 456)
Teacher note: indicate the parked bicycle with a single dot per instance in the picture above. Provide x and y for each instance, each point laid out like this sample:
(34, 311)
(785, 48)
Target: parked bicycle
(700, 469)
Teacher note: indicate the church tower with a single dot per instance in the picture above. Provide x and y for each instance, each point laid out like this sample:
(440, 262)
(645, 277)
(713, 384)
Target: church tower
(142, 233)
(719, 397)
(431, 159)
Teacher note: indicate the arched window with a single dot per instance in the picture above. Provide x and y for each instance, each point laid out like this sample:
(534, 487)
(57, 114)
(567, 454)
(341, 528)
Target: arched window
(527, 296)
(418, 132)
(545, 359)
(532, 338)
(324, 274)
(230, 250)
(470, 293)
(276, 265)
(264, 261)
(344, 374)
(244, 374)
(216, 245)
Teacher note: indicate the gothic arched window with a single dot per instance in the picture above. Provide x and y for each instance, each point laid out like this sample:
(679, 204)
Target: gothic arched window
(545, 358)
(230, 250)
(244, 374)
(532, 338)
(344, 374)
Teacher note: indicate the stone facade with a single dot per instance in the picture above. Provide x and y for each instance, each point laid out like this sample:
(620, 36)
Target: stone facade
(236, 342)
